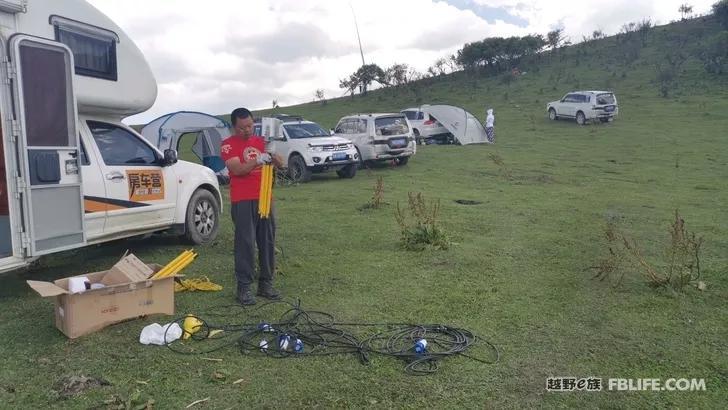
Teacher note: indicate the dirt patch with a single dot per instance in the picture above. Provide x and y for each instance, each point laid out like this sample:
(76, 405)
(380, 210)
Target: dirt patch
(75, 385)
(468, 202)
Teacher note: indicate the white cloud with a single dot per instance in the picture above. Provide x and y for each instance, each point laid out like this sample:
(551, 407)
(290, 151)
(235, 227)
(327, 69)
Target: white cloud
(215, 55)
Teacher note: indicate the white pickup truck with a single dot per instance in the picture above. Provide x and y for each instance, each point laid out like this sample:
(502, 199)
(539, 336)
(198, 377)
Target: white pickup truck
(72, 173)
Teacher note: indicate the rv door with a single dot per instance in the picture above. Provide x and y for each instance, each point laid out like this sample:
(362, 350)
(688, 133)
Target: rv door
(48, 148)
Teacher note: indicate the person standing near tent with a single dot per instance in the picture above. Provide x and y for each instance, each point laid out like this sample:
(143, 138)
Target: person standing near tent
(244, 155)
(490, 126)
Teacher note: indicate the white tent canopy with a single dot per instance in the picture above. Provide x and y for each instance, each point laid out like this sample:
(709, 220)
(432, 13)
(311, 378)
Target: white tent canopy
(165, 133)
(464, 126)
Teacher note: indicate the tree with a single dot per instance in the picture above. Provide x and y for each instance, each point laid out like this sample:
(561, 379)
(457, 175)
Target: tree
(685, 10)
(555, 38)
(320, 96)
(275, 103)
(363, 78)
(720, 9)
(397, 74)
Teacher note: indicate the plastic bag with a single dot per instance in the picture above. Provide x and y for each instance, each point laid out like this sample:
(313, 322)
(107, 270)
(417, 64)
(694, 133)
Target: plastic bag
(154, 334)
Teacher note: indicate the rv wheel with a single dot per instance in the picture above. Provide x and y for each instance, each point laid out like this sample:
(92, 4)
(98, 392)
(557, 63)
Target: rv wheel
(203, 218)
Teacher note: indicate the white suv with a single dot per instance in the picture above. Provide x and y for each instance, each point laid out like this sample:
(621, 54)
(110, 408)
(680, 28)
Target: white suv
(425, 128)
(307, 148)
(379, 137)
(584, 106)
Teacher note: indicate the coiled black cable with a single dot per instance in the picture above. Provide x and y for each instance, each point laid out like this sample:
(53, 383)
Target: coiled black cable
(320, 335)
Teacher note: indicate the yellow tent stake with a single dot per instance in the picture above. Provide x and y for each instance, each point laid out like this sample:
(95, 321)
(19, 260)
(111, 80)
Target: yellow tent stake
(182, 265)
(162, 271)
(173, 269)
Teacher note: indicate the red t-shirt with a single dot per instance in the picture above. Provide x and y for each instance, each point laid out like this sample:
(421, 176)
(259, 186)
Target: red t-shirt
(247, 187)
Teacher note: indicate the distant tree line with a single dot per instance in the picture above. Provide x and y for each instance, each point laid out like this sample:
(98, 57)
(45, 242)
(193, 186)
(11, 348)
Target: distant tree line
(503, 55)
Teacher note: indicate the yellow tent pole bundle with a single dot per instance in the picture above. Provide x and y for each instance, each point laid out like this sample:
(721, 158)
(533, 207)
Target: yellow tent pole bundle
(266, 191)
(176, 265)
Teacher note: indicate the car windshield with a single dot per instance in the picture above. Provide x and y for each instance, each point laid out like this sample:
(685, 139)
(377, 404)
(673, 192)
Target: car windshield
(391, 126)
(411, 115)
(605, 99)
(305, 130)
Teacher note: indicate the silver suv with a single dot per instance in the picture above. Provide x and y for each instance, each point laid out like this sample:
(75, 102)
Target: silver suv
(379, 137)
(584, 106)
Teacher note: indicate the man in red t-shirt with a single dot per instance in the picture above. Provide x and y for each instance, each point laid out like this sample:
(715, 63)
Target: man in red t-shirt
(244, 154)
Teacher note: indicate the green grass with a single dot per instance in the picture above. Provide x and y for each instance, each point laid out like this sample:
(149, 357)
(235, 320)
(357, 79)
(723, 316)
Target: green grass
(516, 274)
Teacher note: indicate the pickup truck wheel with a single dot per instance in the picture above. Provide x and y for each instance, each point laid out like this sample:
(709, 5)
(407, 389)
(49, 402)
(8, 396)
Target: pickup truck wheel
(298, 170)
(402, 161)
(580, 118)
(552, 115)
(203, 218)
(347, 172)
(416, 134)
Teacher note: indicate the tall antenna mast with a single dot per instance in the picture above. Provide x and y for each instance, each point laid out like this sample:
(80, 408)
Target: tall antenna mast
(361, 50)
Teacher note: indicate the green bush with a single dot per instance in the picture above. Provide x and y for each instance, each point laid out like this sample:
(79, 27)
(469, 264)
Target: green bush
(419, 224)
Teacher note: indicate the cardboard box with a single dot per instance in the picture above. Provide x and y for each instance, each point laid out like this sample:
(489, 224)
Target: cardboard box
(79, 314)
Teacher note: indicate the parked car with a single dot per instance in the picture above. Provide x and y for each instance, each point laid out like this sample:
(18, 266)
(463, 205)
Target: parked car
(306, 148)
(585, 106)
(425, 128)
(379, 137)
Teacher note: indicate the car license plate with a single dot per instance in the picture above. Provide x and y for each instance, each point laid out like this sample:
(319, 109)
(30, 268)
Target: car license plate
(339, 156)
(400, 142)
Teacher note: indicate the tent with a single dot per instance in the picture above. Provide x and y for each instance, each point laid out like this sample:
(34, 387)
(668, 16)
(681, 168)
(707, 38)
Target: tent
(165, 133)
(464, 126)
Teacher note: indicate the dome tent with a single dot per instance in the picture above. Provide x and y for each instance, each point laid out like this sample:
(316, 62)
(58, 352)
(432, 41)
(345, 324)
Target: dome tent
(464, 126)
(165, 133)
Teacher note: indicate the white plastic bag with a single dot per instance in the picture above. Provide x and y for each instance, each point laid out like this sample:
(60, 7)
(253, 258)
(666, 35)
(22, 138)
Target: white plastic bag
(154, 334)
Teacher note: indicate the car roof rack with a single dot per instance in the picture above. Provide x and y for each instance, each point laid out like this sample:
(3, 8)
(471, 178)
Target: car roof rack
(287, 117)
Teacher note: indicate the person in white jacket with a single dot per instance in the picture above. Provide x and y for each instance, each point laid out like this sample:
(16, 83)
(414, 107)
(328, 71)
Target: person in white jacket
(490, 126)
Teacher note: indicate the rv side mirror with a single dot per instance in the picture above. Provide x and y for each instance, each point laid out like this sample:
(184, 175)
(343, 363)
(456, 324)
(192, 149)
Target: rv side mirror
(170, 157)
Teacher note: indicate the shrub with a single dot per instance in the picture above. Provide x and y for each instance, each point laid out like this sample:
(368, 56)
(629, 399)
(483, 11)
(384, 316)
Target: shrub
(419, 224)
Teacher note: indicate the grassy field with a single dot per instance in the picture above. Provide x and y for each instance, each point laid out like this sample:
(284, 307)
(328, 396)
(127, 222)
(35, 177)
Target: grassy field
(516, 275)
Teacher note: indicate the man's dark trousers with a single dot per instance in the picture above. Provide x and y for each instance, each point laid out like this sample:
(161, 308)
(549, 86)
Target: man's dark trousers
(251, 229)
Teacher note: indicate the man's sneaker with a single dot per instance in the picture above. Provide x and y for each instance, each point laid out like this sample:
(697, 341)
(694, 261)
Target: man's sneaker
(267, 291)
(246, 298)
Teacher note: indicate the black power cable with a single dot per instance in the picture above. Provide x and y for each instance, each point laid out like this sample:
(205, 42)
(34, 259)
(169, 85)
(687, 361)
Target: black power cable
(298, 333)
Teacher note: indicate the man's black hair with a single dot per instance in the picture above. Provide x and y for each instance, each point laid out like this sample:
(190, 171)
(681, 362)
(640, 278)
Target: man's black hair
(240, 113)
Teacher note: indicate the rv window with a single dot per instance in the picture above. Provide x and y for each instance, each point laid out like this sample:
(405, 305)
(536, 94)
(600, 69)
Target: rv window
(120, 147)
(94, 55)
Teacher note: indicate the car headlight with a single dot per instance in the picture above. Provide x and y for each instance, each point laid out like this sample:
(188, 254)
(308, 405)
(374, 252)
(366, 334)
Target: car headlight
(314, 148)
(350, 146)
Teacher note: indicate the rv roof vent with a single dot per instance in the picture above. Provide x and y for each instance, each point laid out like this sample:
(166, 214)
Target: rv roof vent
(14, 6)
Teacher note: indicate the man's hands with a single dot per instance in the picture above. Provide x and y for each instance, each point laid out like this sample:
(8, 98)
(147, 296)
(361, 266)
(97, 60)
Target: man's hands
(264, 159)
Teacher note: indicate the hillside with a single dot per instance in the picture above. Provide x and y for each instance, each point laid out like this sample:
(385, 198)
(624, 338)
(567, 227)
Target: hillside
(625, 64)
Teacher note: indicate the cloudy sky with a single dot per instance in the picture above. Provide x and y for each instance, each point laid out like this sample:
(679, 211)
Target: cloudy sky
(214, 55)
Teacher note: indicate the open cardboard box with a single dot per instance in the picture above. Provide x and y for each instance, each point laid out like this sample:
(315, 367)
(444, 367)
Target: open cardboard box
(128, 294)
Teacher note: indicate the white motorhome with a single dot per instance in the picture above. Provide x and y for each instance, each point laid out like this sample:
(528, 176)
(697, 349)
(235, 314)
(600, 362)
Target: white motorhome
(71, 173)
